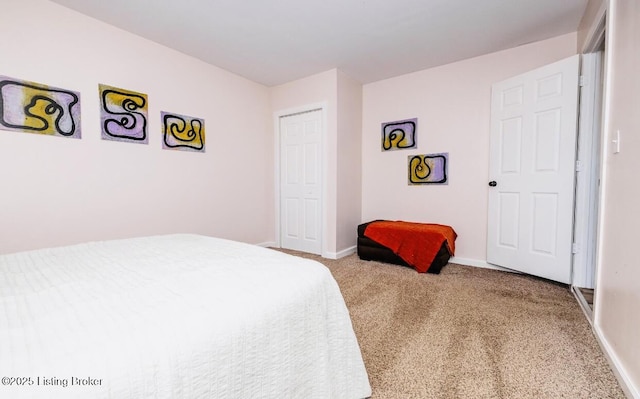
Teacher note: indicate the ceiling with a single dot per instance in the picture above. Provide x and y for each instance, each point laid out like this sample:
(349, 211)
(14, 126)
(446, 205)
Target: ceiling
(277, 41)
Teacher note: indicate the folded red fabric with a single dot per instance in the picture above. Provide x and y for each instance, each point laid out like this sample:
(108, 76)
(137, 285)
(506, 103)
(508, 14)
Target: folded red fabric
(416, 243)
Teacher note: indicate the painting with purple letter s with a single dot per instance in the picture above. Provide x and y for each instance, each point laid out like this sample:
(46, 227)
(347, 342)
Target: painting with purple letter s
(123, 115)
(429, 169)
(36, 108)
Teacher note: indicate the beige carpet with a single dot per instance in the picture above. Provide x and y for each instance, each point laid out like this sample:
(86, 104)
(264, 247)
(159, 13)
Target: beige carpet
(470, 333)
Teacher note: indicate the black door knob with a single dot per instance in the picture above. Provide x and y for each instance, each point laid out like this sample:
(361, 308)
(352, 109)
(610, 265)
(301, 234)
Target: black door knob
(492, 183)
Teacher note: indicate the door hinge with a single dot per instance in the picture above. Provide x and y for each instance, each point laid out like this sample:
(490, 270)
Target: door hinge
(578, 166)
(575, 248)
(582, 81)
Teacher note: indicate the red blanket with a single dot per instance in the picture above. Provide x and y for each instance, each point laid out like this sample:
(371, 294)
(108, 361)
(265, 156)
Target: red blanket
(416, 243)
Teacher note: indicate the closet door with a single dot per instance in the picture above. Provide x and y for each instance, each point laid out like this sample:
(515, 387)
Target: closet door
(300, 182)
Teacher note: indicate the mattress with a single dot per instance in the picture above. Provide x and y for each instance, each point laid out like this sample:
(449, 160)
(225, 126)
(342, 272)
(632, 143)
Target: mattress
(179, 316)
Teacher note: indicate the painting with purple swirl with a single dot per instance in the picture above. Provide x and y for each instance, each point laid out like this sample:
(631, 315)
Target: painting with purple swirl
(181, 132)
(429, 169)
(399, 135)
(123, 115)
(36, 108)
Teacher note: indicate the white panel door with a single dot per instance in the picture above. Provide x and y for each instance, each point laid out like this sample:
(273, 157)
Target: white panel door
(300, 182)
(532, 171)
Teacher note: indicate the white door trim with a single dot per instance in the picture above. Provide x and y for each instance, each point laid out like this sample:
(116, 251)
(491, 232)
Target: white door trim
(587, 173)
(600, 28)
(323, 159)
(597, 30)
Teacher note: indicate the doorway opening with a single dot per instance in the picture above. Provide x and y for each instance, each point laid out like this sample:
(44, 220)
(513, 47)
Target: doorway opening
(588, 170)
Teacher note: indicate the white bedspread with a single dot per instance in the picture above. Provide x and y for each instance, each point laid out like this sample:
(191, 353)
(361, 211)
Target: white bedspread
(180, 316)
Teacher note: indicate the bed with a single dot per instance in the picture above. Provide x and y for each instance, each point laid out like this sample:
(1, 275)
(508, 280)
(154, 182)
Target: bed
(177, 316)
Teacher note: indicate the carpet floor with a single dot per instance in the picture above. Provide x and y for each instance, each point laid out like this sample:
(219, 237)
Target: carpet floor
(470, 333)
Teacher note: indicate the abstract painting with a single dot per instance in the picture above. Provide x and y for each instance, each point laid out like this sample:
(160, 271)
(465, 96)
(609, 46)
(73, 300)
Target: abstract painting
(181, 132)
(429, 169)
(123, 115)
(36, 108)
(399, 135)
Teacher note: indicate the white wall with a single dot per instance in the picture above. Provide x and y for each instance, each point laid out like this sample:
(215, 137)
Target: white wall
(617, 300)
(56, 191)
(452, 104)
(349, 157)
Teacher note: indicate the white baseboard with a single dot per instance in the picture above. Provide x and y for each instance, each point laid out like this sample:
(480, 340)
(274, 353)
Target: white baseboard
(328, 255)
(340, 254)
(477, 263)
(621, 375)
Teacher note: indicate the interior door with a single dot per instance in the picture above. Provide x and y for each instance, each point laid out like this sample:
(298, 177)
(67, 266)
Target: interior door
(300, 182)
(532, 171)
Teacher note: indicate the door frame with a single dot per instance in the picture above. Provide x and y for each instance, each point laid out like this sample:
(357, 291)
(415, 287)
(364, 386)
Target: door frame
(587, 172)
(596, 36)
(322, 107)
